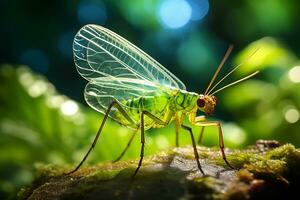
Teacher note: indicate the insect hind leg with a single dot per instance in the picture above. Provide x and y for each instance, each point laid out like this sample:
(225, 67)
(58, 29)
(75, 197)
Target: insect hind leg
(119, 107)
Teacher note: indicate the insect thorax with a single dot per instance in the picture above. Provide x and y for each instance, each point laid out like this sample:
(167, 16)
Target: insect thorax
(185, 101)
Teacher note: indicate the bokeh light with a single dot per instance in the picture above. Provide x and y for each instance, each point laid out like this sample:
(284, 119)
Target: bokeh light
(175, 13)
(34, 87)
(36, 59)
(199, 9)
(139, 13)
(162, 142)
(55, 101)
(294, 74)
(37, 89)
(92, 13)
(234, 134)
(291, 115)
(69, 108)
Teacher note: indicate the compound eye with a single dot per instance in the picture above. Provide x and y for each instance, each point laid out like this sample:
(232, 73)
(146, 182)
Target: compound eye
(214, 98)
(201, 103)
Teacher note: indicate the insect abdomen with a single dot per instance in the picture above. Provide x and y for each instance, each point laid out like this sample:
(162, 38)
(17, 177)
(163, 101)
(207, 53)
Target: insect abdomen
(159, 106)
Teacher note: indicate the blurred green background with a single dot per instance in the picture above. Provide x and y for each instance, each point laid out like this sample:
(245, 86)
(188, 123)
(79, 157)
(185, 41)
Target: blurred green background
(44, 119)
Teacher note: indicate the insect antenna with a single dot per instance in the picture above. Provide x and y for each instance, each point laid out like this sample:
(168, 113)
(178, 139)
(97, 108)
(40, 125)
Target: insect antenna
(242, 63)
(219, 68)
(235, 82)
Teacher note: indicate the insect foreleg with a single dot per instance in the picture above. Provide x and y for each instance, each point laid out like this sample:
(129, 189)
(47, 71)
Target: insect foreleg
(127, 146)
(119, 107)
(194, 146)
(221, 141)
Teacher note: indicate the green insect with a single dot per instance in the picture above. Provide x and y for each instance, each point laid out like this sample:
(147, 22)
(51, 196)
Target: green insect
(133, 89)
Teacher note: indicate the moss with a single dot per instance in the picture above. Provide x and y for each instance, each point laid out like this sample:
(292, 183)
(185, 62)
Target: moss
(262, 171)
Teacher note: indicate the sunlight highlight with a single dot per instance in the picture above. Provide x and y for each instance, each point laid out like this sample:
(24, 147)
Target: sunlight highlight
(37, 88)
(199, 9)
(236, 135)
(162, 142)
(291, 115)
(69, 108)
(55, 101)
(294, 74)
(34, 87)
(175, 13)
(26, 79)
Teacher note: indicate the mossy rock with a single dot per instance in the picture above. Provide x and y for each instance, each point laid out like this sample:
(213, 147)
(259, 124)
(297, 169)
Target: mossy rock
(264, 170)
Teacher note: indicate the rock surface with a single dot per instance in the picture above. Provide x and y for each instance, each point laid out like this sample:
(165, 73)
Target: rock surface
(264, 170)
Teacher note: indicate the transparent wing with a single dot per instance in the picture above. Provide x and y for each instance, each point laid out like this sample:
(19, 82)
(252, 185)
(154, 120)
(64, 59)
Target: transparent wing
(100, 94)
(100, 53)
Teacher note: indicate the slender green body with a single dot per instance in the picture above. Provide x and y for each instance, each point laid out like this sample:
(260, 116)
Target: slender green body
(163, 105)
(132, 88)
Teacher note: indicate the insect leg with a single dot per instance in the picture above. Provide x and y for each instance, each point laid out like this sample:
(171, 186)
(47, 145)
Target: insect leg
(194, 146)
(221, 141)
(177, 130)
(119, 107)
(178, 120)
(200, 119)
(153, 117)
(128, 144)
(143, 145)
(201, 135)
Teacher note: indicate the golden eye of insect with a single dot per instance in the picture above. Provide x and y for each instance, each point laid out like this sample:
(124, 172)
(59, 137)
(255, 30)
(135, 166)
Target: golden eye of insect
(214, 99)
(201, 102)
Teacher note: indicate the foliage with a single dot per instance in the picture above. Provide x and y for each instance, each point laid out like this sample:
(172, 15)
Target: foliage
(265, 108)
